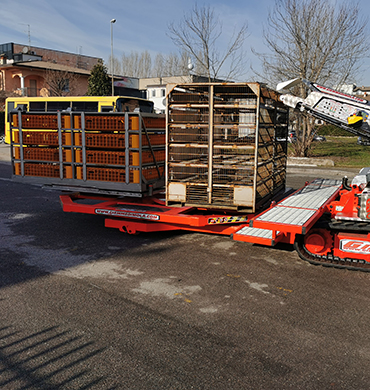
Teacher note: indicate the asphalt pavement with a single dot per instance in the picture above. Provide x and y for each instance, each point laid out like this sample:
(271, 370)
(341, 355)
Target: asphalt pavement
(87, 307)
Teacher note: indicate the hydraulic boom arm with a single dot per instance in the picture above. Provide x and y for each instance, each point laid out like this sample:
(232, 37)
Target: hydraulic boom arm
(349, 112)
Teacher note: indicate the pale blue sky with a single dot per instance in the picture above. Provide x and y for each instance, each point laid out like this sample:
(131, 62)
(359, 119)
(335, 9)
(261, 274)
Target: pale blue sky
(84, 25)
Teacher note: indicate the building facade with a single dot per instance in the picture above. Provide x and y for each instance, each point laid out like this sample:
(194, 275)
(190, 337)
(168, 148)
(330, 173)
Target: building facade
(353, 89)
(29, 70)
(155, 88)
(32, 71)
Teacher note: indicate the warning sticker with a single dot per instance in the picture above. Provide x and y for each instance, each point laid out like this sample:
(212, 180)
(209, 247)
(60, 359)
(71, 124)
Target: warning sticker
(232, 219)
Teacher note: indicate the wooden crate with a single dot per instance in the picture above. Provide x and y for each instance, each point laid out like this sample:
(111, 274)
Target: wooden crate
(222, 149)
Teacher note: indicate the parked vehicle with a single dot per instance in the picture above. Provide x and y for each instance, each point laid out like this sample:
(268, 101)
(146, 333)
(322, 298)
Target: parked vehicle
(363, 141)
(72, 104)
(319, 138)
(292, 137)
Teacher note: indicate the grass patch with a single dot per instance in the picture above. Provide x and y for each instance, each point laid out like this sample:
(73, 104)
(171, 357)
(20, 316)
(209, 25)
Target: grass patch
(344, 151)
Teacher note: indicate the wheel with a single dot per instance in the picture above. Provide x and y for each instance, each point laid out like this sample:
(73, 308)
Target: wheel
(313, 245)
(318, 242)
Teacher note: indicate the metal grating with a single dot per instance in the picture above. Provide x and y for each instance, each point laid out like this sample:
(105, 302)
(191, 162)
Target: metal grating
(188, 133)
(196, 194)
(222, 195)
(314, 195)
(286, 215)
(237, 175)
(255, 232)
(301, 206)
(192, 174)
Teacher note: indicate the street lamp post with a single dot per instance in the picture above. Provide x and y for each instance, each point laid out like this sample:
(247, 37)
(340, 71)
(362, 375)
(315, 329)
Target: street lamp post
(111, 55)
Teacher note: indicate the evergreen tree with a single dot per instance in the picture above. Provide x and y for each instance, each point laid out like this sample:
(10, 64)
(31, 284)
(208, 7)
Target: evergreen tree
(99, 83)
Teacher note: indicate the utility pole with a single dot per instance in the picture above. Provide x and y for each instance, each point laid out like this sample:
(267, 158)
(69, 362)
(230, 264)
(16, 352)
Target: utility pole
(111, 55)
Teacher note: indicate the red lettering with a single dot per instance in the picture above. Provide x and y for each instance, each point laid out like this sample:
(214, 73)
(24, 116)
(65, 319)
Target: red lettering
(351, 245)
(355, 246)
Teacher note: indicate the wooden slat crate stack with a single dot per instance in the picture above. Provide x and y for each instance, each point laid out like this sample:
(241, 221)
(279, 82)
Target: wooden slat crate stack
(223, 148)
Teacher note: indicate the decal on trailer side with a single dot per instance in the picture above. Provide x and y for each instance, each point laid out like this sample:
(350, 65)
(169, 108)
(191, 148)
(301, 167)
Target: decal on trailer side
(127, 214)
(354, 246)
(233, 219)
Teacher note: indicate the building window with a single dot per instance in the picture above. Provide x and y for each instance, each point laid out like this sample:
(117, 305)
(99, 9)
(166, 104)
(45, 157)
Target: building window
(153, 93)
(163, 92)
(65, 86)
(58, 106)
(33, 88)
(7, 49)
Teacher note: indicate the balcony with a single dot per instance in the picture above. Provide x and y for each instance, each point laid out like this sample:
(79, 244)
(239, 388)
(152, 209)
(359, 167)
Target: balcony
(29, 92)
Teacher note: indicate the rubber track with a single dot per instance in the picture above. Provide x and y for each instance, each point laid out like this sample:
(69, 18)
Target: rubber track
(349, 226)
(329, 260)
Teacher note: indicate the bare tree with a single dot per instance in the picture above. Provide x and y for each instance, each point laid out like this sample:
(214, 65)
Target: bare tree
(158, 65)
(199, 35)
(129, 64)
(145, 64)
(61, 83)
(117, 66)
(170, 65)
(176, 65)
(140, 64)
(318, 40)
(137, 64)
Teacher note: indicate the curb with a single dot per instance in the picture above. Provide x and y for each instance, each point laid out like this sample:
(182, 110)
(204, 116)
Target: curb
(309, 162)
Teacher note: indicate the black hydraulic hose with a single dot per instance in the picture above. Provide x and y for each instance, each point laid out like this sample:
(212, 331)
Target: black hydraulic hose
(345, 184)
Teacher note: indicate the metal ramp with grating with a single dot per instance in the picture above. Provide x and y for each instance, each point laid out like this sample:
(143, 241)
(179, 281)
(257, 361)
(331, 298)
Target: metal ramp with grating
(294, 215)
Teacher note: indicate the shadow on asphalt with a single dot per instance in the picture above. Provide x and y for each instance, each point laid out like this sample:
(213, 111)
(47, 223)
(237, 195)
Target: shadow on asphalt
(37, 237)
(48, 359)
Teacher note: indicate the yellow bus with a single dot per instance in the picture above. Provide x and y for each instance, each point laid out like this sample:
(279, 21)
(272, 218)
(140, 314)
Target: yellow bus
(73, 103)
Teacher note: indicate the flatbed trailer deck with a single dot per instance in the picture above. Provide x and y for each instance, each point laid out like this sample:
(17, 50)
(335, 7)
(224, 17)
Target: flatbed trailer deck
(131, 215)
(297, 219)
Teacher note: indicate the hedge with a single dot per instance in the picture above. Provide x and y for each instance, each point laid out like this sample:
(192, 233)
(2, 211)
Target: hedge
(332, 130)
